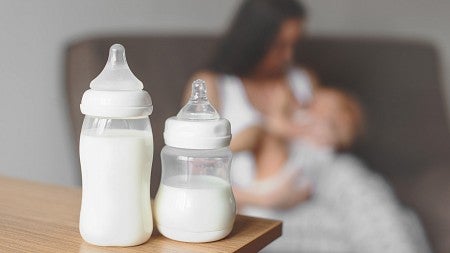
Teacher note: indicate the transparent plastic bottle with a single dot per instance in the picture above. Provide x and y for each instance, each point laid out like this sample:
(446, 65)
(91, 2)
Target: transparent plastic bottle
(195, 202)
(116, 153)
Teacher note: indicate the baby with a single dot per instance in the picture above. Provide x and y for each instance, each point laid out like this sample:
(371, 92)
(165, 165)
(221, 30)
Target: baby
(300, 136)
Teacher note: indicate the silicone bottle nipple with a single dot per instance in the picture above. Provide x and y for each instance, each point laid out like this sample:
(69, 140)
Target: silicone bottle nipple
(116, 74)
(198, 106)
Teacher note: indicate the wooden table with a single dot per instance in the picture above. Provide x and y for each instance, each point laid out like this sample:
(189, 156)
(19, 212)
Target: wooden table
(36, 217)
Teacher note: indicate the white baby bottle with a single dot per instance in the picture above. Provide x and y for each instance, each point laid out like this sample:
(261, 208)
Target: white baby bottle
(195, 202)
(116, 153)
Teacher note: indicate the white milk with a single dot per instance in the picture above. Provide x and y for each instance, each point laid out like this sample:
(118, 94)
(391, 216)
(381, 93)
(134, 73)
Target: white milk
(116, 166)
(199, 214)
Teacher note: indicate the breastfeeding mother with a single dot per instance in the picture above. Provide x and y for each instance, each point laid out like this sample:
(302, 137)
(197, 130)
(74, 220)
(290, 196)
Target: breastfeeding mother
(352, 210)
(254, 59)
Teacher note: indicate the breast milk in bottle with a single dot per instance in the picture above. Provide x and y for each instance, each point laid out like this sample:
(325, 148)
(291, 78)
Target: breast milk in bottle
(116, 153)
(195, 202)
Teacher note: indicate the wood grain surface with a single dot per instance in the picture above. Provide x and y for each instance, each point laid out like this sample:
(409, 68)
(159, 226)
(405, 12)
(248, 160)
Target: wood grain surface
(36, 217)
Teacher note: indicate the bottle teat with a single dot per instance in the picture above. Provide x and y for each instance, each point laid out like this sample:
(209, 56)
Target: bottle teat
(197, 125)
(198, 106)
(116, 74)
(116, 92)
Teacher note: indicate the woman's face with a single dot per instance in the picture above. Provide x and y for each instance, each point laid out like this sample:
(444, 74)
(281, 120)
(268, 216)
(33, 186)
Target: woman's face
(281, 53)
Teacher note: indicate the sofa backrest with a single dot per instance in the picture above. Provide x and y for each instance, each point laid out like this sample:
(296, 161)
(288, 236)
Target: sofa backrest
(398, 83)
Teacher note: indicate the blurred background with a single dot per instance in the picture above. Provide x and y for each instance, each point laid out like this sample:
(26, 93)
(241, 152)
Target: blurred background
(37, 133)
(37, 139)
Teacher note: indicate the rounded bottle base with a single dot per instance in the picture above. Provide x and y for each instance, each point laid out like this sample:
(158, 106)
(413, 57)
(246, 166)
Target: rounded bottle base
(198, 237)
(106, 241)
(115, 244)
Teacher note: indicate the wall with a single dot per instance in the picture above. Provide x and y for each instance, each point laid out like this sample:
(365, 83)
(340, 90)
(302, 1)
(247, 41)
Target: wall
(412, 19)
(35, 137)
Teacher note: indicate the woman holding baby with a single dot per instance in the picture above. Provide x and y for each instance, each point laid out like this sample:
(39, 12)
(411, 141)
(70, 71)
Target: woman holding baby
(289, 134)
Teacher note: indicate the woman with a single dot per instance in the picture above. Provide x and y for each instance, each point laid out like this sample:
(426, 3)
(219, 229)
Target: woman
(250, 80)
(252, 67)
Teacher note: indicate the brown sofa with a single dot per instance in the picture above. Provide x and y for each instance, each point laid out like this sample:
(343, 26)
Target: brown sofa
(398, 82)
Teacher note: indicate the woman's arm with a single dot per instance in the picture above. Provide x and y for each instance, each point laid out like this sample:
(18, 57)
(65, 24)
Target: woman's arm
(247, 139)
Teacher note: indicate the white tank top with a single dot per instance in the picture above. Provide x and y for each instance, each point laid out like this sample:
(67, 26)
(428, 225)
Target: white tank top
(236, 107)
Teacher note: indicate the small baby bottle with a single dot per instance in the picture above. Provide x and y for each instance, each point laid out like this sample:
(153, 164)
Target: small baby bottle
(195, 202)
(116, 153)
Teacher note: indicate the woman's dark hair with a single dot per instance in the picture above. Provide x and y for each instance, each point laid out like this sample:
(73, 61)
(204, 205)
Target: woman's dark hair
(251, 34)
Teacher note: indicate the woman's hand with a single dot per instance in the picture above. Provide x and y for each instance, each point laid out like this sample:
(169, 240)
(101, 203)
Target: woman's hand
(281, 192)
(286, 192)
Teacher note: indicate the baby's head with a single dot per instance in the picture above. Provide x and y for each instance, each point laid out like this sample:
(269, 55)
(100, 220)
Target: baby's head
(339, 112)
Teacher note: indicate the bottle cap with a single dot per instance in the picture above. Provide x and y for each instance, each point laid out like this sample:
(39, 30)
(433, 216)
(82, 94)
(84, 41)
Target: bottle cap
(198, 125)
(116, 92)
